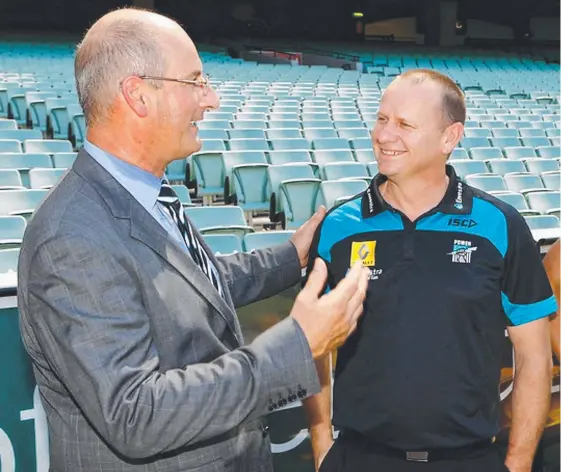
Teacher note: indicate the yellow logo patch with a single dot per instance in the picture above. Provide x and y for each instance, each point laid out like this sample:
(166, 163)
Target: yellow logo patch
(364, 251)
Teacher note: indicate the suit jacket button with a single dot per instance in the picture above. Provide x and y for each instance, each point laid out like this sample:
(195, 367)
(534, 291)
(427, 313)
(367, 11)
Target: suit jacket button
(265, 431)
(292, 398)
(282, 402)
(272, 406)
(302, 392)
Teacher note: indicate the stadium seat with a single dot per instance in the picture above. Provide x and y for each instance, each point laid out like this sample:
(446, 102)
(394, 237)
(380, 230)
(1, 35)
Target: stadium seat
(330, 144)
(505, 133)
(288, 133)
(11, 231)
(330, 156)
(516, 200)
(283, 173)
(209, 173)
(221, 134)
(519, 152)
(334, 192)
(9, 260)
(289, 157)
(44, 178)
(182, 193)
(266, 239)
(64, 160)
(298, 201)
(523, 182)
(531, 133)
(506, 166)
(552, 133)
(214, 124)
(10, 180)
(77, 132)
(8, 124)
(372, 168)
(20, 134)
(250, 187)
(21, 202)
(505, 142)
(297, 144)
(320, 133)
(477, 133)
(468, 143)
(255, 124)
(246, 134)
(538, 166)
(467, 167)
(552, 180)
(545, 202)
(487, 183)
(549, 152)
(10, 146)
(249, 145)
(212, 145)
(223, 244)
(485, 153)
(219, 220)
(459, 154)
(536, 222)
(493, 125)
(361, 143)
(364, 156)
(345, 170)
(354, 133)
(232, 159)
(535, 142)
(49, 146)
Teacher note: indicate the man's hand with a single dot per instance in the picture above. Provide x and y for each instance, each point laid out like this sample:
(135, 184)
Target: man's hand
(328, 321)
(302, 238)
(320, 449)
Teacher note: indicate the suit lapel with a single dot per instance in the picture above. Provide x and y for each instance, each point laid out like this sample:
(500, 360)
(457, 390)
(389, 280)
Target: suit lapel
(146, 229)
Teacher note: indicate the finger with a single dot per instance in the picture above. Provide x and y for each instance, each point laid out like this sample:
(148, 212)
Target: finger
(347, 287)
(357, 300)
(317, 278)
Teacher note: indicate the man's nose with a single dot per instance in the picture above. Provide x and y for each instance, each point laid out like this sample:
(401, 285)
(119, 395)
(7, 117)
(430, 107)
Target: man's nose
(211, 99)
(384, 133)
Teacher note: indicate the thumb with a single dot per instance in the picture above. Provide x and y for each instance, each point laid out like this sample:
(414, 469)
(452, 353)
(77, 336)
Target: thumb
(317, 278)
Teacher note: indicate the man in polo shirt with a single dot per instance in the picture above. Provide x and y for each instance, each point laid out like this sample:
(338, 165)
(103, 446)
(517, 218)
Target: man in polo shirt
(416, 386)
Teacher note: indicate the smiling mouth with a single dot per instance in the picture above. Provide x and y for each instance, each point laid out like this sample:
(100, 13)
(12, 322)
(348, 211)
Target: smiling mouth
(389, 152)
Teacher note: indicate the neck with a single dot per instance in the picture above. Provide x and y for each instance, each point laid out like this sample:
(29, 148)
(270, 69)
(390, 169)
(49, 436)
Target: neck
(415, 196)
(134, 149)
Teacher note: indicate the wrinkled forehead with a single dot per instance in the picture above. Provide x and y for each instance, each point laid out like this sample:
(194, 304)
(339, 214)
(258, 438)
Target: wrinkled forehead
(182, 57)
(408, 98)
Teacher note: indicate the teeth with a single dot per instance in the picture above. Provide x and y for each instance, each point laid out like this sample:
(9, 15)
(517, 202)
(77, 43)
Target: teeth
(391, 153)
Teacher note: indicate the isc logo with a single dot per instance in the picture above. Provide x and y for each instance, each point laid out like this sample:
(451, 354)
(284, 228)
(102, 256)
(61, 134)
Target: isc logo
(461, 223)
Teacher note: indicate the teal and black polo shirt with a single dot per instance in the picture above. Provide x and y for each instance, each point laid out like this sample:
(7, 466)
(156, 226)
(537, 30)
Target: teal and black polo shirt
(422, 369)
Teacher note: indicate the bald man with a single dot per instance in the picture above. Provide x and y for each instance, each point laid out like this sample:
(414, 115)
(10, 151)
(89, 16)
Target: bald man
(551, 263)
(128, 317)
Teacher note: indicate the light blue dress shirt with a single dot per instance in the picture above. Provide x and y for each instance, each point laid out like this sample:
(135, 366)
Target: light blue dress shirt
(144, 187)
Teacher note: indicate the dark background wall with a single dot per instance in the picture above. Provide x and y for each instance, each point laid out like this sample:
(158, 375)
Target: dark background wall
(317, 19)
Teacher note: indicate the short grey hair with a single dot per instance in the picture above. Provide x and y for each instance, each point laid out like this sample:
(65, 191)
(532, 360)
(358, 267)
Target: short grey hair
(124, 48)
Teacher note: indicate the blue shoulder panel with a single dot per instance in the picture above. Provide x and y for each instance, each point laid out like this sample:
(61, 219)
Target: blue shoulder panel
(520, 314)
(491, 224)
(346, 220)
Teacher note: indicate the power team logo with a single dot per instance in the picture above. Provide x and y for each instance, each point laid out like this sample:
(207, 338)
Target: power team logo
(364, 251)
(461, 252)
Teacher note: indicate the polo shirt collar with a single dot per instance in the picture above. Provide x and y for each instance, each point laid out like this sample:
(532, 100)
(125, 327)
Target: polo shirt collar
(457, 200)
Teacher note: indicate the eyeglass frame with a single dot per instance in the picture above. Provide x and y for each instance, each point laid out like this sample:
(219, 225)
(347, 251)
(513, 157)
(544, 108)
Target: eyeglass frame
(203, 83)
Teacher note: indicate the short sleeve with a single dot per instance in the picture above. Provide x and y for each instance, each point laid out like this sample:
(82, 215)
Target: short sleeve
(526, 292)
(313, 255)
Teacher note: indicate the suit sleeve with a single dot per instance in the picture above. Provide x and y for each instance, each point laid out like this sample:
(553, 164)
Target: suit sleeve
(260, 274)
(526, 292)
(85, 306)
(314, 254)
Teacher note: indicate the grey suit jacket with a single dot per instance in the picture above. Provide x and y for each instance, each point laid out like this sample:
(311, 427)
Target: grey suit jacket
(140, 362)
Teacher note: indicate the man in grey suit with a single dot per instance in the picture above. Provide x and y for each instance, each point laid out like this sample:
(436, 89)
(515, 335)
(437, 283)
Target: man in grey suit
(129, 319)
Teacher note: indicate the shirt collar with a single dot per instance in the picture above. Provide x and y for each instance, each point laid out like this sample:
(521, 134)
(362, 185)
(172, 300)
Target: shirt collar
(141, 184)
(456, 201)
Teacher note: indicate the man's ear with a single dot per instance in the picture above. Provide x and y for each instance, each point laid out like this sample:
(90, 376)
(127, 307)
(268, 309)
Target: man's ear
(134, 93)
(452, 135)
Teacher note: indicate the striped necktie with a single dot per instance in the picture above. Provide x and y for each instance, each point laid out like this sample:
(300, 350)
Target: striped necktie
(169, 199)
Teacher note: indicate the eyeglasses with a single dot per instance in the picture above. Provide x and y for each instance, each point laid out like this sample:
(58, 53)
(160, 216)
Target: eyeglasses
(203, 83)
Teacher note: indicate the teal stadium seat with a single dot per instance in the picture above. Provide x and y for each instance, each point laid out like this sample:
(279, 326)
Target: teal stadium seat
(10, 179)
(219, 220)
(44, 178)
(9, 260)
(223, 244)
(266, 239)
(11, 231)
